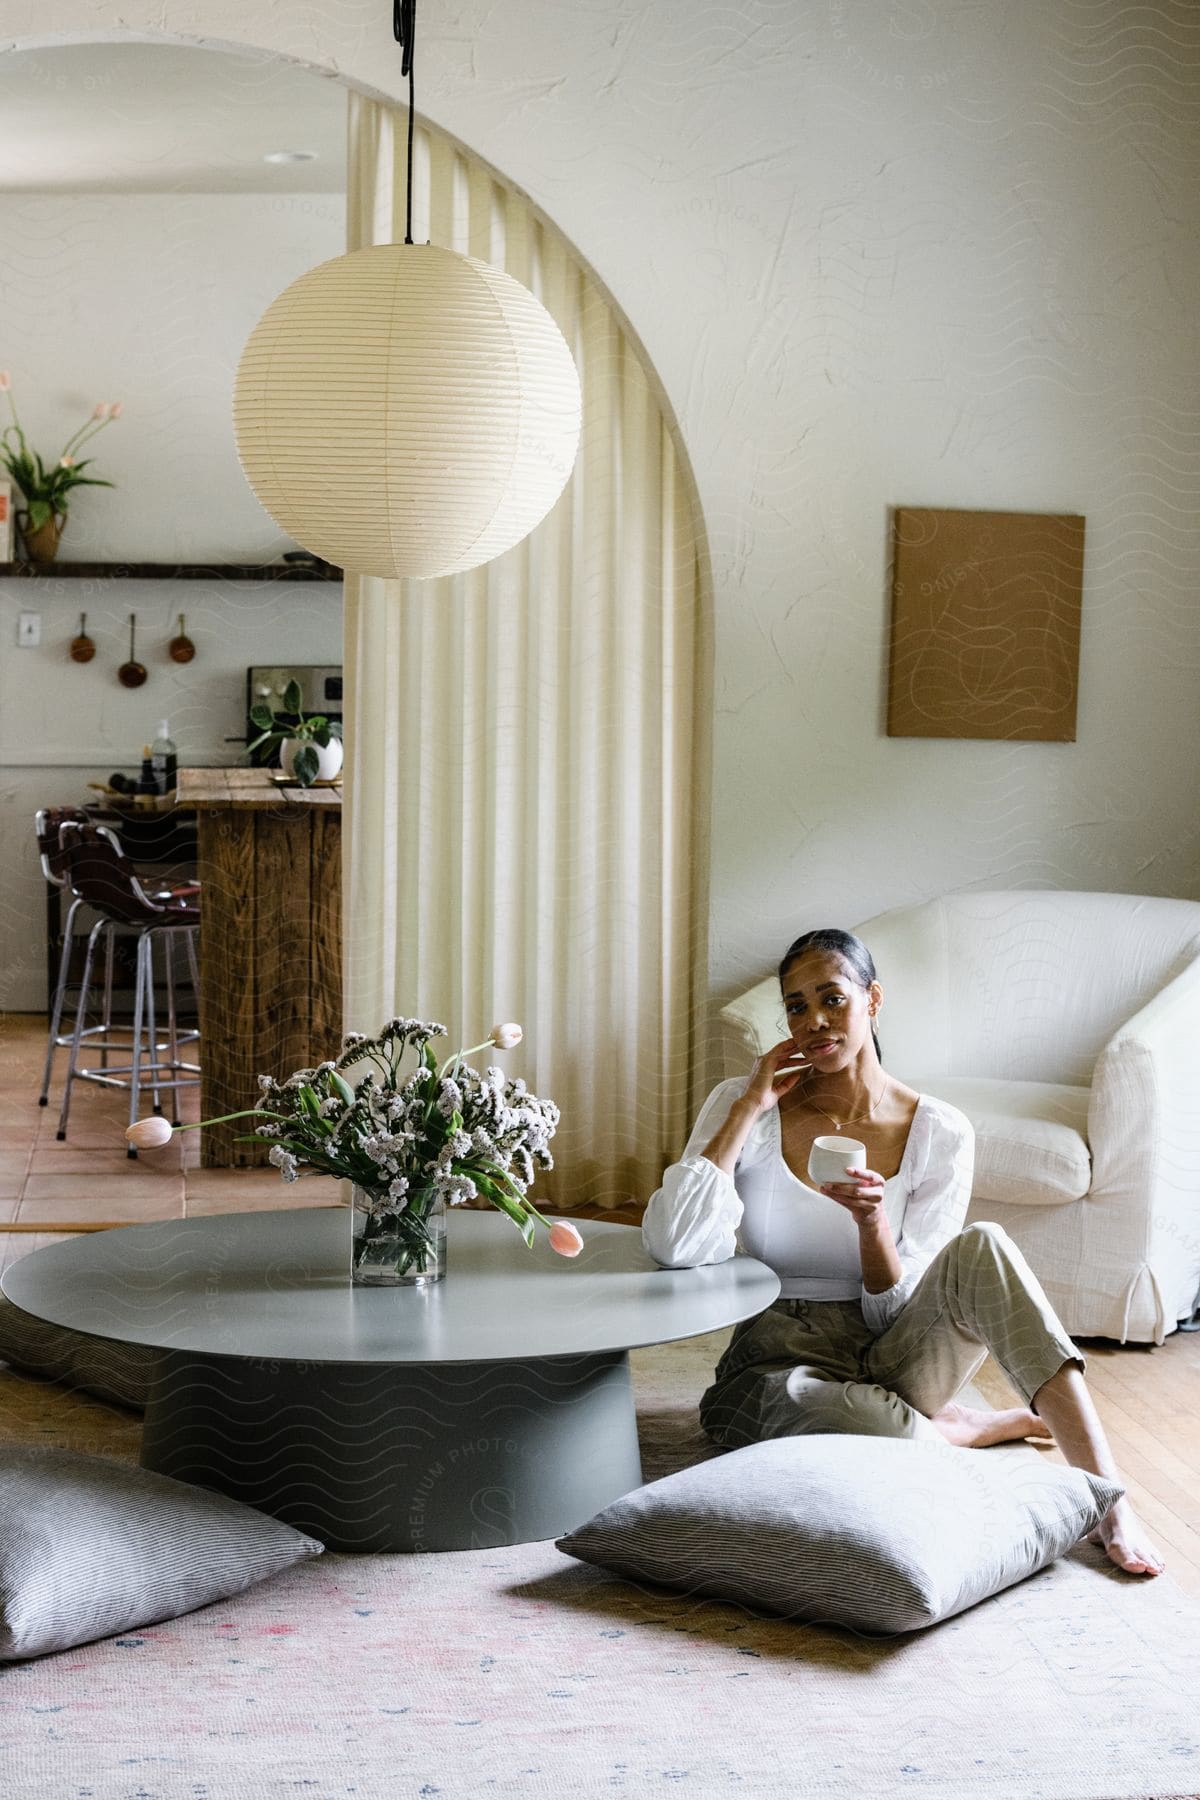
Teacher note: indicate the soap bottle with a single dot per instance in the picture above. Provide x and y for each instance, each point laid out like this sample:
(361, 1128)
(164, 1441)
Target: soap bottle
(165, 759)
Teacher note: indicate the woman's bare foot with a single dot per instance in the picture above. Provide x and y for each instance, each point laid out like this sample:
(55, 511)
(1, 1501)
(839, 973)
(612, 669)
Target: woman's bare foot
(1120, 1532)
(974, 1427)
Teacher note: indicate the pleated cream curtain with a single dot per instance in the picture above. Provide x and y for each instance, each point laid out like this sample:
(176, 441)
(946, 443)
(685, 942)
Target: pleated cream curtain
(527, 789)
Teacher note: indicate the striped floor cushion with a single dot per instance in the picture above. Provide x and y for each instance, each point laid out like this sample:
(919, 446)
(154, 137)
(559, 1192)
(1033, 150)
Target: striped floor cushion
(90, 1548)
(878, 1534)
(118, 1373)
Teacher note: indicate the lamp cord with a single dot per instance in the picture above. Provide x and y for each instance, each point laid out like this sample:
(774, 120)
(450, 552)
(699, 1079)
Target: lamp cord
(404, 26)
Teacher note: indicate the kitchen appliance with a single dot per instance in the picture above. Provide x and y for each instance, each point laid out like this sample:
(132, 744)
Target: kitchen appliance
(320, 692)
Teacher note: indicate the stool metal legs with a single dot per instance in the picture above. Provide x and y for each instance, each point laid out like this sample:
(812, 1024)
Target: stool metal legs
(147, 1066)
(106, 1036)
(60, 989)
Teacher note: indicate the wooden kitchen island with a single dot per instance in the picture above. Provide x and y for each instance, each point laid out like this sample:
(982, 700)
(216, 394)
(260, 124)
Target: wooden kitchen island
(269, 860)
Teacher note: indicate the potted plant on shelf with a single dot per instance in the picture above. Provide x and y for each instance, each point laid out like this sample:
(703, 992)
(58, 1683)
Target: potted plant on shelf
(310, 749)
(42, 519)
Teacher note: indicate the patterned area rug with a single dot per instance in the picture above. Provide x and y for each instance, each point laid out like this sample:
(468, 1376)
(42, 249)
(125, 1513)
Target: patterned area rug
(519, 1672)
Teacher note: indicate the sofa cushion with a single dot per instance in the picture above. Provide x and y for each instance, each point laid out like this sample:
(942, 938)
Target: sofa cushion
(89, 1548)
(1031, 1144)
(878, 1534)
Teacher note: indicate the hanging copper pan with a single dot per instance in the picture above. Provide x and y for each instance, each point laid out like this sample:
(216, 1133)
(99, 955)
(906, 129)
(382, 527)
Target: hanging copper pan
(131, 674)
(181, 648)
(82, 647)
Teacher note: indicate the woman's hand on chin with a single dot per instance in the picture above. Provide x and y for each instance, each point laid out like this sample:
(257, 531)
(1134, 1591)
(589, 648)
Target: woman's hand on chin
(861, 1194)
(767, 1086)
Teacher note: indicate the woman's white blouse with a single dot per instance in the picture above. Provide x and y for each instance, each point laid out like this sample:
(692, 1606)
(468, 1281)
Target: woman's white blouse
(701, 1215)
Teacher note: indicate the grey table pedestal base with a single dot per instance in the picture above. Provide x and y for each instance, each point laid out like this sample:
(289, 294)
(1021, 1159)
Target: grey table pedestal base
(408, 1457)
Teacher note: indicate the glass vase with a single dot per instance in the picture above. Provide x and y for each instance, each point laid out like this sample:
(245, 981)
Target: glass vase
(391, 1248)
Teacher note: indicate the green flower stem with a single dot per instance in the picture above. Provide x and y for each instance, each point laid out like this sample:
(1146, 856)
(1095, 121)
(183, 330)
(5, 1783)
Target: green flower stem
(249, 1112)
(487, 1044)
(87, 430)
(12, 407)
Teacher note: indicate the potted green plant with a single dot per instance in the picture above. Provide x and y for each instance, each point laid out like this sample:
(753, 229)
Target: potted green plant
(310, 748)
(42, 519)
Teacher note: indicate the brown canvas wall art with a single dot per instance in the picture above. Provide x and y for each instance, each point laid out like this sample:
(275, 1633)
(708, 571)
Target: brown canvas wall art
(985, 624)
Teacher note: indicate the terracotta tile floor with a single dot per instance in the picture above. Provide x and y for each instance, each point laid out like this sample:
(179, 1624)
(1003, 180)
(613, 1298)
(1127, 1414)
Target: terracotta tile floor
(88, 1181)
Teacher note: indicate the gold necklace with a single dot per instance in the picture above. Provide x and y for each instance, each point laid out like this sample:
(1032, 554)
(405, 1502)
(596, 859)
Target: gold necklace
(854, 1117)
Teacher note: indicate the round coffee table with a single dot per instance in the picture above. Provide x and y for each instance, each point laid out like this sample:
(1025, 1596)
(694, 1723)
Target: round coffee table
(493, 1408)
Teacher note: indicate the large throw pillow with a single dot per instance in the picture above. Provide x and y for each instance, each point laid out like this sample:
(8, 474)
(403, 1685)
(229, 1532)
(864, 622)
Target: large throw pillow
(114, 1371)
(880, 1534)
(90, 1547)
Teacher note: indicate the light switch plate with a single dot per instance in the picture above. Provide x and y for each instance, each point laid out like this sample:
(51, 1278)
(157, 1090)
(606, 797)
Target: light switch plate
(29, 630)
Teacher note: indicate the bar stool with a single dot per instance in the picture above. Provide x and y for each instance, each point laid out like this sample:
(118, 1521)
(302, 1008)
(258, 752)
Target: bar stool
(106, 880)
(48, 824)
(55, 862)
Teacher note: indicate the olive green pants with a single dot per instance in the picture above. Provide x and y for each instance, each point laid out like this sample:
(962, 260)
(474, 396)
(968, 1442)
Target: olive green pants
(814, 1365)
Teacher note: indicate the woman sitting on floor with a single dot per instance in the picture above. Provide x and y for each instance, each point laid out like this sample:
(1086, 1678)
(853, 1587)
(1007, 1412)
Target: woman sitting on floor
(888, 1306)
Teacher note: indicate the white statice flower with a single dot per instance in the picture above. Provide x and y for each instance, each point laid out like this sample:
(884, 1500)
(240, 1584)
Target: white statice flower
(268, 1131)
(457, 1189)
(266, 1083)
(284, 1161)
(459, 1144)
(398, 1188)
(330, 1107)
(483, 1144)
(372, 1203)
(450, 1100)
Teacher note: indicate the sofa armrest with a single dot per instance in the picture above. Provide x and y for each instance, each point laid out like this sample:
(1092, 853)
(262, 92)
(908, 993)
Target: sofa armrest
(750, 1024)
(1144, 1129)
(1167, 1030)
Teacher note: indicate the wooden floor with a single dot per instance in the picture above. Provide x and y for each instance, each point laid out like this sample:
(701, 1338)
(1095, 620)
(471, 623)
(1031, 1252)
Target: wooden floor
(1148, 1396)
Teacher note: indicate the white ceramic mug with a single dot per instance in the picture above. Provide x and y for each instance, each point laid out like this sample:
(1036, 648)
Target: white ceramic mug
(830, 1157)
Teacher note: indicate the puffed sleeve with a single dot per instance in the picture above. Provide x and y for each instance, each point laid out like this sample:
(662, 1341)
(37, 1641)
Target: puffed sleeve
(935, 1208)
(693, 1217)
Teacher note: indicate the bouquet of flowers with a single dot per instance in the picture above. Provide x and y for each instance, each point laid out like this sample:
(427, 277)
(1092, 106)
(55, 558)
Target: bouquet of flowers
(440, 1134)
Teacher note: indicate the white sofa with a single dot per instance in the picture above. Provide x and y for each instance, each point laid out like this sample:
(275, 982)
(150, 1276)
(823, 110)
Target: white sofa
(1067, 1028)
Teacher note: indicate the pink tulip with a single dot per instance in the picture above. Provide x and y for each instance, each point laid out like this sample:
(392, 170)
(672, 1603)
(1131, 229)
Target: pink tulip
(507, 1037)
(114, 410)
(565, 1239)
(100, 411)
(5, 381)
(149, 1134)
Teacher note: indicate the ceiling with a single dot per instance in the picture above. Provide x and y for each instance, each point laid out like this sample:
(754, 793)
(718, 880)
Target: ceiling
(162, 118)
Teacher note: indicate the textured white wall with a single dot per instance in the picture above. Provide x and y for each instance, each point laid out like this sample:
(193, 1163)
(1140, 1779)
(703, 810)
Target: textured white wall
(149, 298)
(924, 251)
(146, 298)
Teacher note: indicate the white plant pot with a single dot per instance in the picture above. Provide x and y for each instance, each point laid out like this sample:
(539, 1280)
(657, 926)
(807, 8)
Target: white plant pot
(329, 759)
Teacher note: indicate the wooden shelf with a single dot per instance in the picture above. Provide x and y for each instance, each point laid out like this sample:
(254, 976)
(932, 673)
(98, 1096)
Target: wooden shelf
(131, 571)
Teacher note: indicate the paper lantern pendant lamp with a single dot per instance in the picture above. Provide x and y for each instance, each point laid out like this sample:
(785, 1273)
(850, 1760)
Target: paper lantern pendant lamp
(404, 410)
